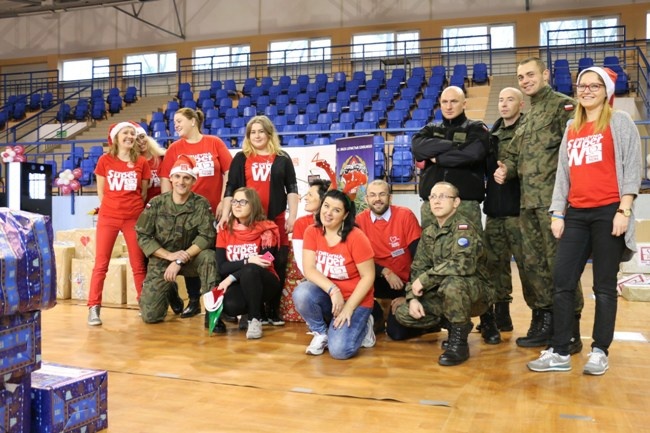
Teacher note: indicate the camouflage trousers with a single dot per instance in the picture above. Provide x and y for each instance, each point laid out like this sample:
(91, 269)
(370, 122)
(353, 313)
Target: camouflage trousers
(155, 290)
(502, 240)
(457, 298)
(470, 208)
(539, 248)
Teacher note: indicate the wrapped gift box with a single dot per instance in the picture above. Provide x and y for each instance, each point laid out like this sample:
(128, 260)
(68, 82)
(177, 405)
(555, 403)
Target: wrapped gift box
(640, 263)
(131, 295)
(68, 399)
(15, 404)
(636, 291)
(20, 343)
(293, 278)
(63, 254)
(27, 268)
(85, 244)
(114, 285)
(64, 236)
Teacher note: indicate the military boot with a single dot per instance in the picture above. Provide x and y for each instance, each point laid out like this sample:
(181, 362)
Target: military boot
(575, 346)
(539, 333)
(457, 350)
(193, 308)
(502, 316)
(489, 330)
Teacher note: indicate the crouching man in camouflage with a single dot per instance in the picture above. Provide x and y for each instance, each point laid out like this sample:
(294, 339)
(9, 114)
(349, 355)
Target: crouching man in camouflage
(176, 231)
(448, 277)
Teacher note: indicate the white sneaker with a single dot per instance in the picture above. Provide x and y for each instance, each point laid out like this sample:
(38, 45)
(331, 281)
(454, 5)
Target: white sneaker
(318, 344)
(597, 364)
(93, 316)
(550, 361)
(369, 340)
(254, 330)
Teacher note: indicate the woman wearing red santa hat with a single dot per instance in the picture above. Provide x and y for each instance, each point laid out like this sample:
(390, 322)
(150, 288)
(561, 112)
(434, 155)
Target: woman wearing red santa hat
(213, 162)
(122, 179)
(154, 154)
(598, 177)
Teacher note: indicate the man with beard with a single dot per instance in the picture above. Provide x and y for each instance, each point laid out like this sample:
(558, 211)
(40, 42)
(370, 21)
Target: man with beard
(394, 233)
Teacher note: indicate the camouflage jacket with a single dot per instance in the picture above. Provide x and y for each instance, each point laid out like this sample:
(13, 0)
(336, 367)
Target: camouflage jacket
(532, 153)
(163, 224)
(455, 249)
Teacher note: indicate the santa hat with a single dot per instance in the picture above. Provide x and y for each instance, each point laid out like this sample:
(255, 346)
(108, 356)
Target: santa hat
(139, 130)
(609, 78)
(117, 127)
(184, 164)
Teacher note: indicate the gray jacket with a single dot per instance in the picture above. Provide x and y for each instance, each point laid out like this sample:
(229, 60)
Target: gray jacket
(627, 151)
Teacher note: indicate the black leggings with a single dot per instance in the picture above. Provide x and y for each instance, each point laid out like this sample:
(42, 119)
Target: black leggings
(255, 286)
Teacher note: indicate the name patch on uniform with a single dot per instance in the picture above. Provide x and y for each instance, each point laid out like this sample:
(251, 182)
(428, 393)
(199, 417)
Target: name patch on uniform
(460, 136)
(463, 242)
(462, 227)
(568, 107)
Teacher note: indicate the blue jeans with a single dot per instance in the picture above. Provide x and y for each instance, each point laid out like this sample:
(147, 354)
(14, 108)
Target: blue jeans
(315, 306)
(586, 232)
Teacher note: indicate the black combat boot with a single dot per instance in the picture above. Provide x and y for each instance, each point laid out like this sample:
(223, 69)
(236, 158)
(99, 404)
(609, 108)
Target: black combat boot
(175, 301)
(457, 350)
(489, 330)
(541, 328)
(575, 346)
(502, 316)
(193, 308)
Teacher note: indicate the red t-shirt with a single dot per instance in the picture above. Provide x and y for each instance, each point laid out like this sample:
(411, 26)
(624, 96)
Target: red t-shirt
(258, 177)
(154, 183)
(390, 239)
(212, 159)
(338, 263)
(592, 168)
(122, 186)
(237, 249)
(301, 225)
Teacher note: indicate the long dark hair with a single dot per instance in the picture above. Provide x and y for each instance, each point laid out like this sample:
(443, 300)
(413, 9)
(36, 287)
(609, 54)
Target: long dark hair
(348, 206)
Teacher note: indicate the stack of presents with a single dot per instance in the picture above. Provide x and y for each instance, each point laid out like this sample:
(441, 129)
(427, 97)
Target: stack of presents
(634, 275)
(36, 396)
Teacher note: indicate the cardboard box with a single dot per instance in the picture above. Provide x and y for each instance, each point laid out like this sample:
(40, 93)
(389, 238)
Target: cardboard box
(20, 344)
(630, 279)
(640, 263)
(131, 295)
(15, 404)
(642, 230)
(63, 254)
(64, 236)
(114, 284)
(68, 399)
(636, 291)
(85, 244)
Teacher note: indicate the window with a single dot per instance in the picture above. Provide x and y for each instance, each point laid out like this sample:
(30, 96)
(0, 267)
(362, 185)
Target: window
(300, 50)
(466, 39)
(221, 57)
(152, 63)
(385, 44)
(84, 69)
(579, 31)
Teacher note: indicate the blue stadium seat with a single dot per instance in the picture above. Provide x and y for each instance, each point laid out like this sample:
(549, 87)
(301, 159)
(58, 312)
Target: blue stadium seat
(320, 141)
(480, 73)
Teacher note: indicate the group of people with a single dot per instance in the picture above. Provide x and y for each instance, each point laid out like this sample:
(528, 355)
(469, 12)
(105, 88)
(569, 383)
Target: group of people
(557, 186)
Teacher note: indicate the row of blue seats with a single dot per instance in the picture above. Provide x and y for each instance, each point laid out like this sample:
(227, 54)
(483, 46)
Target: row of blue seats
(563, 79)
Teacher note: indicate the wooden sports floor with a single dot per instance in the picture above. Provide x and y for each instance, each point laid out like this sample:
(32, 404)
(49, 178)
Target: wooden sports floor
(173, 377)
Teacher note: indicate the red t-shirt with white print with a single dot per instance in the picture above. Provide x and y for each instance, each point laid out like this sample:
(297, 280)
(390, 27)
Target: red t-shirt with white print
(122, 186)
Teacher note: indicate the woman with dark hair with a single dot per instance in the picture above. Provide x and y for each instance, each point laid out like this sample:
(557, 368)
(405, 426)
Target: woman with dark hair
(313, 198)
(265, 167)
(337, 298)
(212, 161)
(246, 247)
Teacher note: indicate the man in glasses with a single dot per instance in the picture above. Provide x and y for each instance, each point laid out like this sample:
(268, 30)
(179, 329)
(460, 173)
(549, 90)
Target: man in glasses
(449, 283)
(453, 150)
(531, 156)
(394, 232)
(176, 231)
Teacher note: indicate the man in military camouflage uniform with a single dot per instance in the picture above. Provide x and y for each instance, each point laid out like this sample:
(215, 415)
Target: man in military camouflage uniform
(532, 157)
(448, 284)
(454, 151)
(177, 232)
(501, 206)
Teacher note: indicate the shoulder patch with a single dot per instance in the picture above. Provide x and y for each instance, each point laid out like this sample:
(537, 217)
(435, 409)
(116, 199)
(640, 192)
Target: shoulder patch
(463, 226)
(463, 242)
(568, 107)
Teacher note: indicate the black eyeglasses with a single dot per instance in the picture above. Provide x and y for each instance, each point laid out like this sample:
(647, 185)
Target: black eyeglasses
(594, 87)
(441, 196)
(242, 202)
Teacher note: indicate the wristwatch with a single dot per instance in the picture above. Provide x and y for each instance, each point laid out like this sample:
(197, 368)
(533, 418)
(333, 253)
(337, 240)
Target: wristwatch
(625, 212)
(179, 262)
